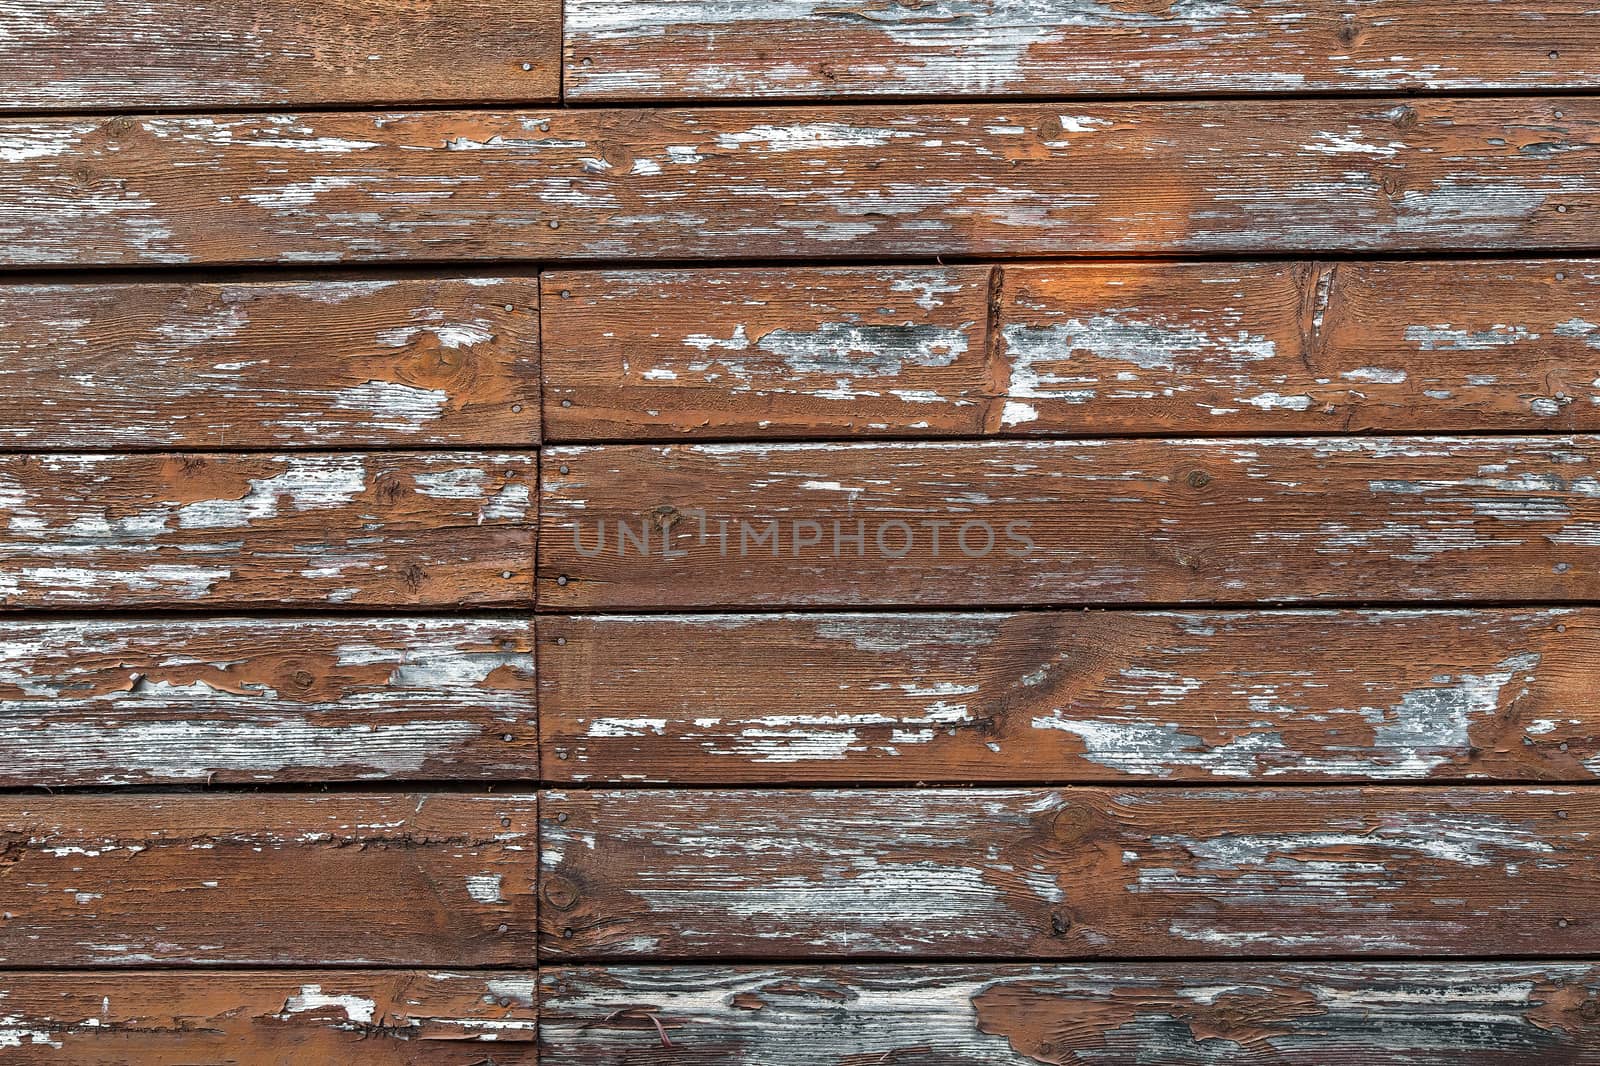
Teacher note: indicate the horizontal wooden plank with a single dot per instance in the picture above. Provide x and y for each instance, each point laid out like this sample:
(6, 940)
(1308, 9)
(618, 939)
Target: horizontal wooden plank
(392, 879)
(75, 54)
(1349, 1014)
(439, 529)
(710, 49)
(270, 365)
(1435, 346)
(1053, 696)
(256, 1018)
(1441, 346)
(1121, 521)
(769, 352)
(1068, 873)
(266, 699)
(990, 179)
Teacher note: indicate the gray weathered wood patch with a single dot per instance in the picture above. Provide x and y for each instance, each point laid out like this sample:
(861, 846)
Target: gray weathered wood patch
(270, 364)
(1069, 873)
(1350, 1014)
(325, 529)
(209, 700)
(651, 50)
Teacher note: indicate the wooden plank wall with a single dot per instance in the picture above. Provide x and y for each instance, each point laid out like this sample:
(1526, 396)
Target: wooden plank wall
(799, 534)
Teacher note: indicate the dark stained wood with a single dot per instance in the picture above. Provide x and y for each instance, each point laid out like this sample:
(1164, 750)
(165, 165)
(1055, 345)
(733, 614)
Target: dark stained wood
(266, 700)
(75, 54)
(1068, 873)
(714, 50)
(270, 365)
(1271, 696)
(440, 529)
(925, 180)
(789, 352)
(392, 879)
(1193, 348)
(1349, 1014)
(257, 1018)
(1123, 521)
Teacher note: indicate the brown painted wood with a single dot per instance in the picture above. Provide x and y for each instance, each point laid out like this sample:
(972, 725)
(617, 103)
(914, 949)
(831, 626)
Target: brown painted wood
(711, 50)
(1068, 873)
(1442, 346)
(786, 352)
(1124, 521)
(926, 180)
(392, 879)
(76, 54)
(260, 530)
(257, 1018)
(1193, 348)
(270, 365)
(1349, 1014)
(266, 700)
(1271, 696)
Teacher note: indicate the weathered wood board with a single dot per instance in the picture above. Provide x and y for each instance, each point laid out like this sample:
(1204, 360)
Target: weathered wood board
(790, 352)
(270, 364)
(714, 50)
(392, 880)
(1441, 345)
(256, 1018)
(102, 54)
(1053, 696)
(1120, 521)
(253, 700)
(1069, 873)
(193, 530)
(1128, 348)
(882, 181)
(1350, 1014)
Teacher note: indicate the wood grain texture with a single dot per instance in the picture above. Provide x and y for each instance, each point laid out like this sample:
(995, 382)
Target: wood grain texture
(786, 352)
(1105, 696)
(257, 1018)
(1122, 521)
(76, 54)
(991, 179)
(1439, 346)
(710, 49)
(270, 365)
(1154, 348)
(266, 700)
(1068, 873)
(392, 879)
(391, 528)
(1196, 1014)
